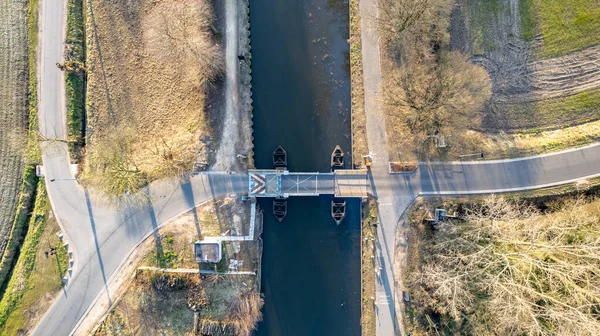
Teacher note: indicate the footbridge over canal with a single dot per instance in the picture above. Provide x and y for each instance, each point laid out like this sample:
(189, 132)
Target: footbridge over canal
(283, 184)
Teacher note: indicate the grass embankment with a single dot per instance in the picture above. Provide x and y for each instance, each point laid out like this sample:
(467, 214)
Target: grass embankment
(359, 122)
(27, 192)
(369, 238)
(565, 26)
(506, 267)
(27, 196)
(75, 77)
(35, 279)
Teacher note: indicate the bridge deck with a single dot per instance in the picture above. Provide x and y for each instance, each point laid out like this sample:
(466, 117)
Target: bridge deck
(280, 183)
(352, 183)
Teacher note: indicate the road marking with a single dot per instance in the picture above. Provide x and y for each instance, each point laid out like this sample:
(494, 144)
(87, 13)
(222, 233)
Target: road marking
(509, 160)
(383, 299)
(503, 190)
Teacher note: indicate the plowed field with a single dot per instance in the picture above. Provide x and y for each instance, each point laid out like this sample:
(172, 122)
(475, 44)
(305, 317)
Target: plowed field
(13, 108)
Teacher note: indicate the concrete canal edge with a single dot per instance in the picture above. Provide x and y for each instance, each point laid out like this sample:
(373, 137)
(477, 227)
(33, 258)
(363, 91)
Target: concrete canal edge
(246, 76)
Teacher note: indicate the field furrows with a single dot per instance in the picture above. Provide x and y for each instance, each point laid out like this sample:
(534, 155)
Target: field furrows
(13, 108)
(561, 76)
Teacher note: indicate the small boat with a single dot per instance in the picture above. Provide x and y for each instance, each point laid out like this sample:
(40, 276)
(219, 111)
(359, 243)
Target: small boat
(338, 210)
(337, 158)
(279, 209)
(279, 158)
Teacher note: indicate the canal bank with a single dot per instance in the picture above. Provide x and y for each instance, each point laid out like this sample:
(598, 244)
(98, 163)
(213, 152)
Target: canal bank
(301, 101)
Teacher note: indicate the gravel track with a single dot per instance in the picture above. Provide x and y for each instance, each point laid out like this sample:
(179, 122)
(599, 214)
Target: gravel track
(13, 109)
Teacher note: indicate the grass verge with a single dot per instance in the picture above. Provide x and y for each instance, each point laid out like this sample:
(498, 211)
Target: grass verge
(33, 146)
(75, 77)
(29, 182)
(34, 279)
(368, 268)
(359, 123)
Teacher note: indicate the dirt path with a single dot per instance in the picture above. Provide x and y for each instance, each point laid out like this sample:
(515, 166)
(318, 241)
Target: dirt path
(13, 108)
(236, 130)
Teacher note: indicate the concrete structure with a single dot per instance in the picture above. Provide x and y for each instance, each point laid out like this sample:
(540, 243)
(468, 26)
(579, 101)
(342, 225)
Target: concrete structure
(283, 184)
(208, 251)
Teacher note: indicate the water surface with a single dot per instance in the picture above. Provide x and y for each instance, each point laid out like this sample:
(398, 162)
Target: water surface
(301, 94)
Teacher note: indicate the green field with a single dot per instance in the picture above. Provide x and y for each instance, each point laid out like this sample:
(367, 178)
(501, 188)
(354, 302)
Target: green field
(556, 112)
(565, 25)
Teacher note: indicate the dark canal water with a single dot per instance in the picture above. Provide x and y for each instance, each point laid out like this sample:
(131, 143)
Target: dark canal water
(301, 93)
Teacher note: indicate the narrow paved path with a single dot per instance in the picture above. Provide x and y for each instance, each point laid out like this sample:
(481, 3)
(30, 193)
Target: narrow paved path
(102, 235)
(392, 197)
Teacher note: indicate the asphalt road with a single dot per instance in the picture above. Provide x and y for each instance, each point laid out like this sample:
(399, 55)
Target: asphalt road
(101, 235)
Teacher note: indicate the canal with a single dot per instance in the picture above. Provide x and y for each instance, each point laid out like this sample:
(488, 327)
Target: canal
(301, 100)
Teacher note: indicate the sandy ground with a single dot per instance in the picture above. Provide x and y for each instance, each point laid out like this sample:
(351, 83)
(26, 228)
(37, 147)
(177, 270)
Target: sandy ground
(235, 129)
(13, 109)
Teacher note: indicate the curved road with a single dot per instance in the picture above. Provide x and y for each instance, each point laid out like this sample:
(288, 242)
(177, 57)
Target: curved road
(102, 235)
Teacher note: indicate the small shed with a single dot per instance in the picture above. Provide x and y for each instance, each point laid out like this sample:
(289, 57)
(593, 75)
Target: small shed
(208, 251)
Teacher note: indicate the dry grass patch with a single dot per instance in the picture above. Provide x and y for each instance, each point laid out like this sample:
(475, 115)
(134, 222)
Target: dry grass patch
(149, 67)
(502, 145)
(359, 122)
(369, 238)
(159, 303)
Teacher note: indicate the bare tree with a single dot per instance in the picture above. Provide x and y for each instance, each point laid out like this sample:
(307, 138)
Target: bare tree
(118, 173)
(508, 269)
(396, 16)
(444, 97)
